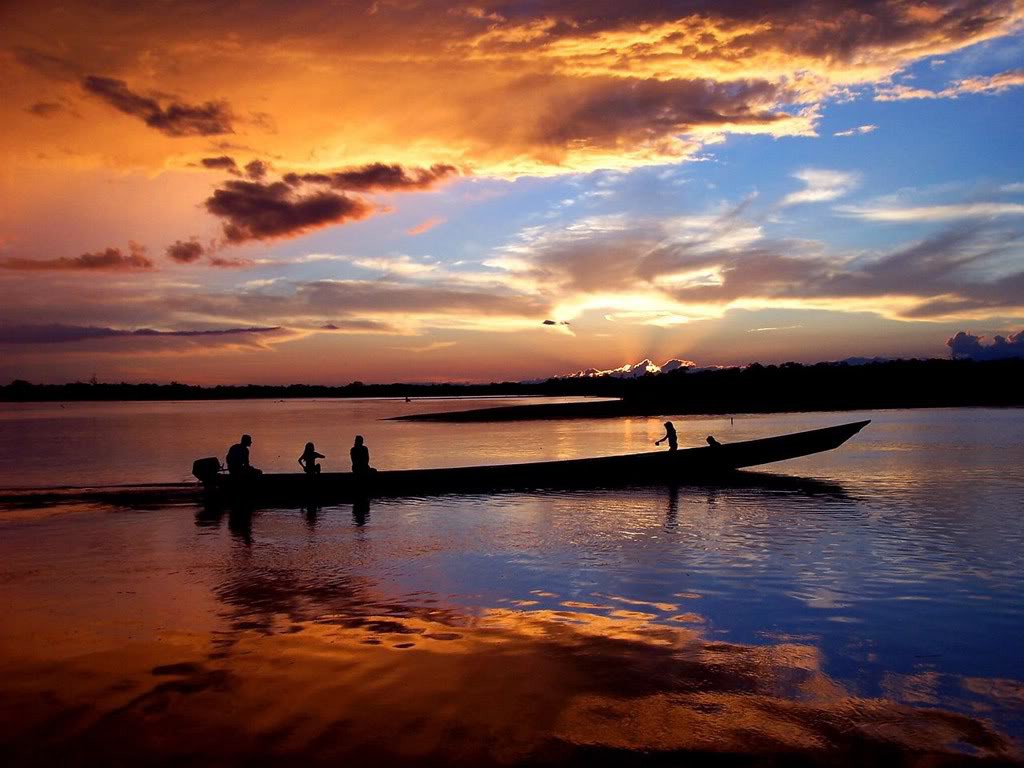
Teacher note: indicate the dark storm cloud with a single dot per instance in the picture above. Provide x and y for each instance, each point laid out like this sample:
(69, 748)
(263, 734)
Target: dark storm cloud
(224, 162)
(61, 334)
(837, 28)
(296, 179)
(175, 119)
(968, 346)
(48, 65)
(185, 251)
(263, 210)
(109, 259)
(377, 177)
(607, 111)
(257, 211)
(45, 108)
(256, 170)
(222, 263)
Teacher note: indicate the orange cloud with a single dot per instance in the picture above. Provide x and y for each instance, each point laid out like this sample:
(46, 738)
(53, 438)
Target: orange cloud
(505, 89)
(109, 259)
(376, 177)
(426, 225)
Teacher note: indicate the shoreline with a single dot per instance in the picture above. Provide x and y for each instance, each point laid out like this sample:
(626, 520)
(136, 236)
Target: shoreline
(612, 409)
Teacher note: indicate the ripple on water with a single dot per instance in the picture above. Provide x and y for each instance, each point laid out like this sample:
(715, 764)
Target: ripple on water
(874, 615)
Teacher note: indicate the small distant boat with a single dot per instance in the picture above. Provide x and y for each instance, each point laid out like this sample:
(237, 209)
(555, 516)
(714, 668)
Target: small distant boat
(689, 464)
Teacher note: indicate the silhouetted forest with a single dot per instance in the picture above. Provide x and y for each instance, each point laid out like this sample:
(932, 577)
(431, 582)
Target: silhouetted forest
(788, 387)
(755, 388)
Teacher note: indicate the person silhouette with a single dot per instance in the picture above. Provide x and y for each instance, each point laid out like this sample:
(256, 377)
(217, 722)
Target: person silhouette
(308, 460)
(238, 459)
(360, 458)
(712, 442)
(670, 435)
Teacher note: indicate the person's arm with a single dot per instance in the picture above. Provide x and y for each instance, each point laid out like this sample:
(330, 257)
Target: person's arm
(300, 461)
(319, 455)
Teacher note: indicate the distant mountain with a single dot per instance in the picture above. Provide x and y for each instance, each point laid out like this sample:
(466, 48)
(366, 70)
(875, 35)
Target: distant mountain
(634, 371)
(647, 367)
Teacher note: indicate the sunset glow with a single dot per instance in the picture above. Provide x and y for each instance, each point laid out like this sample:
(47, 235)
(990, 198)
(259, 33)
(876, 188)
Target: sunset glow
(407, 191)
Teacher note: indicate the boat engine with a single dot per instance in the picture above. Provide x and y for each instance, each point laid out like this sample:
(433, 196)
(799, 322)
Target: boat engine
(206, 470)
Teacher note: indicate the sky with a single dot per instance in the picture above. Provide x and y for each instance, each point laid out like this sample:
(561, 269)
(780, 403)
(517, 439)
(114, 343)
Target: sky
(323, 191)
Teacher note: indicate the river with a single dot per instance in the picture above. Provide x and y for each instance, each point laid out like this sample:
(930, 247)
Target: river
(870, 615)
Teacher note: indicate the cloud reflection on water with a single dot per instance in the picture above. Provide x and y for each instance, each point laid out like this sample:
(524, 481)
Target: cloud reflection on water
(607, 672)
(471, 631)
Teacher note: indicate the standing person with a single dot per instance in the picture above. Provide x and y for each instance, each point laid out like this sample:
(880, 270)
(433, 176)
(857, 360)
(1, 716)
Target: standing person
(308, 460)
(238, 459)
(670, 435)
(360, 458)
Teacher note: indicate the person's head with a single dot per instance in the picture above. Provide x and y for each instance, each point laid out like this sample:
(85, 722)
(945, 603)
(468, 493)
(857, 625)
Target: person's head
(310, 447)
(668, 425)
(359, 439)
(246, 440)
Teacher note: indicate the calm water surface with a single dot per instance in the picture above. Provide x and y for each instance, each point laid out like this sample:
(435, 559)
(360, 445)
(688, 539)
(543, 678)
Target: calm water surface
(873, 615)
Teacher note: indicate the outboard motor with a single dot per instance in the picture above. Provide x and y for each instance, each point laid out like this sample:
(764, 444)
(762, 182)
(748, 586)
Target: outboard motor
(206, 470)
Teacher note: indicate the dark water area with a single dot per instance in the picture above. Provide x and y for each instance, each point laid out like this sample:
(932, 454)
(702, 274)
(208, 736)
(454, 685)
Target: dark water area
(872, 617)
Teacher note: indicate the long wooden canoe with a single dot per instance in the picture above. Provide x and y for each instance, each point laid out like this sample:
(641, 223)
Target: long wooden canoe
(639, 468)
(705, 465)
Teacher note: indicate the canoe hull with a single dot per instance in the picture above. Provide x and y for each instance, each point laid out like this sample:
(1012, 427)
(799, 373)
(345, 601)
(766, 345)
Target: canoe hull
(633, 469)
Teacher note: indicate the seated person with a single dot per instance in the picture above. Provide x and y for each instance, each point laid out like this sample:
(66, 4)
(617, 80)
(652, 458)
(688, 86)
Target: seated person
(712, 442)
(360, 458)
(238, 459)
(308, 460)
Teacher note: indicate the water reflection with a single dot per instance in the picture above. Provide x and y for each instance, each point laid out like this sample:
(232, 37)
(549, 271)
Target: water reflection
(672, 515)
(240, 524)
(769, 619)
(544, 675)
(602, 678)
(311, 513)
(361, 511)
